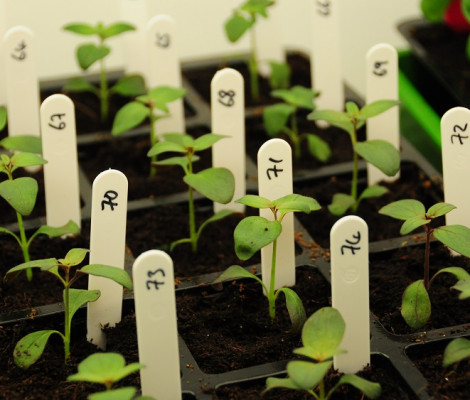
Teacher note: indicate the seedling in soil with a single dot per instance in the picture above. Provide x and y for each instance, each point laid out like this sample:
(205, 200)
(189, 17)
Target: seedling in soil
(21, 193)
(134, 113)
(217, 184)
(416, 305)
(90, 53)
(107, 369)
(321, 336)
(30, 348)
(379, 153)
(243, 20)
(253, 233)
(281, 118)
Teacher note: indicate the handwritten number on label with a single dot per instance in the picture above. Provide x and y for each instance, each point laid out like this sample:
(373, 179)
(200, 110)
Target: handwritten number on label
(352, 244)
(20, 54)
(274, 169)
(156, 283)
(163, 40)
(57, 118)
(378, 68)
(458, 130)
(226, 97)
(323, 7)
(108, 198)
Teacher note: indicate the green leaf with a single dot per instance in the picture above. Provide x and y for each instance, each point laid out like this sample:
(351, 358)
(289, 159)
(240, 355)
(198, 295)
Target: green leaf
(79, 85)
(116, 29)
(439, 209)
(30, 348)
(404, 209)
(280, 75)
(3, 117)
(236, 272)
(433, 10)
(295, 309)
(216, 217)
(373, 191)
(165, 147)
(217, 184)
(318, 148)
(463, 285)
(80, 297)
(26, 143)
(416, 305)
(287, 383)
(352, 109)
(456, 351)
(341, 203)
(377, 107)
(162, 95)
(81, 29)
(458, 272)
(129, 86)
(412, 223)
(118, 275)
(181, 161)
(296, 202)
(322, 334)
(21, 160)
(255, 201)
(74, 257)
(335, 118)
(465, 6)
(257, 7)
(89, 53)
(236, 26)
(52, 231)
(125, 393)
(456, 237)
(307, 375)
(253, 233)
(129, 116)
(206, 141)
(275, 117)
(371, 389)
(297, 96)
(182, 139)
(47, 264)
(381, 154)
(20, 193)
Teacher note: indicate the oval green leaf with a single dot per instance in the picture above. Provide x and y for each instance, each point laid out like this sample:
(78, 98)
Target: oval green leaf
(381, 154)
(118, 275)
(275, 117)
(217, 184)
(30, 348)
(116, 29)
(341, 203)
(129, 116)
(236, 26)
(377, 107)
(80, 297)
(456, 351)
(456, 237)
(318, 147)
(129, 86)
(371, 389)
(79, 85)
(412, 223)
(89, 53)
(74, 256)
(26, 143)
(206, 141)
(439, 209)
(162, 95)
(295, 308)
(255, 201)
(416, 305)
(404, 209)
(81, 29)
(21, 160)
(307, 375)
(20, 193)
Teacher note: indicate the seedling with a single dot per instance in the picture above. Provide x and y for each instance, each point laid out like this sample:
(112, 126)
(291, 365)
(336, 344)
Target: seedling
(21, 192)
(321, 336)
(90, 53)
(217, 184)
(134, 113)
(416, 305)
(377, 152)
(243, 20)
(30, 348)
(107, 369)
(279, 77)
(282, 118)
(253, 233)
(3, 118)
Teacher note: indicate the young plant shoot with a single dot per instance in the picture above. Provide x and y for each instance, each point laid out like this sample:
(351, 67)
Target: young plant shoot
(3, 118)
(253, 233)
(322, 334)
(90, 53)
(217, 184)
(282, 118)
(21, 193)
(379, 153)
(416, 304)
(107, 369)
(153, 105)
(30, 348)
(244, 20)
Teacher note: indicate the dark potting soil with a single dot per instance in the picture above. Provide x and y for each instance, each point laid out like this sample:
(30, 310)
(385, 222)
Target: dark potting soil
(413, 184)
(392, 271)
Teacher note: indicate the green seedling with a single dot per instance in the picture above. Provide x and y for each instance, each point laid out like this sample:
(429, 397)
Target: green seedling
(152, 106)
(30, 348)
(21, 192)
(457, 350)
(416, 304)
(282, 118)
(279, 78)
(107, 369)
(253, 233)
(243, 20)
(217, 184)
(3, 118)
(379, 153)
(322, 334)
(90, 53)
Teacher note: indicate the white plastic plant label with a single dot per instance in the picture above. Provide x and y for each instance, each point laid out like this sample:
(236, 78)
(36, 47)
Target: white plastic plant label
(164, 68)
(327, 76)
(107, 246)
(228, 118)
(157, 334)
(134, 12)
(455, 139)
(275, 181)
(382, 84)
(3, 26)
(22, 84)
(59, 148)
(349, 240)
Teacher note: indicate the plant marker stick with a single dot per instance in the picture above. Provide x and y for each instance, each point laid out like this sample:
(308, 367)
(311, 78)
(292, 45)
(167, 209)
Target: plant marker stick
(107, 246)
(22, 84)
(228, 118)
(59, 148)
(382, 83)
(274, 181)
(3, 26)
(135, 12)
(349, 240)
(157, 334)
(455, 139)
(326, 70)
(164, 68)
